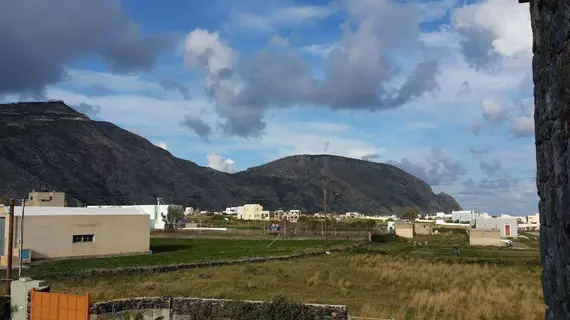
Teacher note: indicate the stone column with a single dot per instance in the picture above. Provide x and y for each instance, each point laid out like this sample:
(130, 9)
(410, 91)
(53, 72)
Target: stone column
(551, 66)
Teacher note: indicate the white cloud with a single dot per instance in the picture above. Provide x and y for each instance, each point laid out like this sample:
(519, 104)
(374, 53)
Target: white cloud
(205, 48)
(220, 163)
(161, 144)
(321, 50)
(508, 22)
(268, 18)
(522, 126)
(494, 111)
(87, 78)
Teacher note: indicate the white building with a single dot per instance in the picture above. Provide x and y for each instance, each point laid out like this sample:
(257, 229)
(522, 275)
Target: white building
(232, 211)
(188, 211)
(250, 212)
(533, 219)
(354, 215)
(292, 215)
(155, 212)
(467, 216)
(507, 226)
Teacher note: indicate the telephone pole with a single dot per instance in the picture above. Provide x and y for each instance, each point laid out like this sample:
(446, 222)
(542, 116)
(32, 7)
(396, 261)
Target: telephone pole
(325, 209)
(10, 246)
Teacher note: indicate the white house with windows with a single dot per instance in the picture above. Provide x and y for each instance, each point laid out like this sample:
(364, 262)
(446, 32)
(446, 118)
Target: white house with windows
(507, 225)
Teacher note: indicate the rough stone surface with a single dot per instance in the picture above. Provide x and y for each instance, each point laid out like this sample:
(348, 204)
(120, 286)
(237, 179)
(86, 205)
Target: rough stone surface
(551, 66)
(214, 309)
(169, 268)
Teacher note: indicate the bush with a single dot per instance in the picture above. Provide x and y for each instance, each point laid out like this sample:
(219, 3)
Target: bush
(383, 238)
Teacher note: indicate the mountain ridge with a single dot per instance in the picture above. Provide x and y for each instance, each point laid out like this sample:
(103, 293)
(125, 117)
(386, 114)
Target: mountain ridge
(49, 145)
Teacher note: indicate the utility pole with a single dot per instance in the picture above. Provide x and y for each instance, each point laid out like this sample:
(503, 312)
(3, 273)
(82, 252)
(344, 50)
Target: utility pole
(10, 246)
(21, 239)
(325, 209)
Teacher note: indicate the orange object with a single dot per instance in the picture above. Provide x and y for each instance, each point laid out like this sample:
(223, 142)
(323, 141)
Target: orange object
(58, 306)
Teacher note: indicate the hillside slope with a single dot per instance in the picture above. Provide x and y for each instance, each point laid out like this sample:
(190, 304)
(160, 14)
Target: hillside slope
(351, 185)
(49, 145)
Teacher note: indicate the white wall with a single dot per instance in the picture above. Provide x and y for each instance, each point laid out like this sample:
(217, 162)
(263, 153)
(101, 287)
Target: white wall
(154, 211)
(498, 223)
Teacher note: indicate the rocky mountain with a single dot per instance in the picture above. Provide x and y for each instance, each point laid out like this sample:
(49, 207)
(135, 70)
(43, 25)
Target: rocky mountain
(48, 145)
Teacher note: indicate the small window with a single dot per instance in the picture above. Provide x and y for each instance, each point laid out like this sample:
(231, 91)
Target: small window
(31, 197)
(50, 198)
(79, 238)
(487, 234)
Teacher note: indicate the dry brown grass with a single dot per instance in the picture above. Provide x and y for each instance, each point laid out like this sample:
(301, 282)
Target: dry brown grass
(371, 286)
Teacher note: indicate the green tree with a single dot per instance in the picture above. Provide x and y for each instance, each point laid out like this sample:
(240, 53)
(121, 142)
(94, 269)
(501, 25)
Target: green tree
(173, 218)
(410, 213)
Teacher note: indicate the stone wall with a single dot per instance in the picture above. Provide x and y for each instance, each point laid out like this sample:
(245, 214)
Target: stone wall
(551, 66)
(169, 268)
(214, 309)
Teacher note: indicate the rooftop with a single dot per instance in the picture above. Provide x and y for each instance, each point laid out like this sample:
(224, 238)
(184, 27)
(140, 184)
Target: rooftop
(72, 211)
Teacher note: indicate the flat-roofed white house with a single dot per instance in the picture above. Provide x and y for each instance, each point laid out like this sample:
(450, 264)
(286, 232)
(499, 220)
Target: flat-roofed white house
(60, 232)
(155, 212)
(507, 226)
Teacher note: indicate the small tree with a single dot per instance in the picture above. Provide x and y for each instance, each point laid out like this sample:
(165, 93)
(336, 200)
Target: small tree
(410, 213)
(173, 218)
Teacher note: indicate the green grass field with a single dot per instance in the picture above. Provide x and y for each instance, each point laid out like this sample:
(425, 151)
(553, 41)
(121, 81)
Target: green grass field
(380, 280)
(170, 251)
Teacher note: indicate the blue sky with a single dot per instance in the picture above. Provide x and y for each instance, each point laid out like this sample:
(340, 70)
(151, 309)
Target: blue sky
(442, 89)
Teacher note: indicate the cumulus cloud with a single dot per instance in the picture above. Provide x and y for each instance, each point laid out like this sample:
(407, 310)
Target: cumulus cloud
(199, 126)
(40, 38)
(170, 84)
(220, 163)
(495, 179)
(87, 108)
(363, 75)
(161, 144)
(371, 157)
(492, 30)
(494, 111)
(522, 126)
(438, 168)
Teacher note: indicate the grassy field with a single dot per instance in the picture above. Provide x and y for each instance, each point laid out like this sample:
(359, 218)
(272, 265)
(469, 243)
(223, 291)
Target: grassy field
(169, 251)
(371, 285)
(395, 279)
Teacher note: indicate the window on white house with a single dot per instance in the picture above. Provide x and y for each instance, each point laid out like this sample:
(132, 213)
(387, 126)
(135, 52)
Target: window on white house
(80, 238)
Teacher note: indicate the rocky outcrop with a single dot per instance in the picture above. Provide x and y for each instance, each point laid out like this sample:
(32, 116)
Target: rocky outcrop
(551, 67)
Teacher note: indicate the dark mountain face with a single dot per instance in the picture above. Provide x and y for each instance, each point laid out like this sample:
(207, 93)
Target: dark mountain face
(51, 146)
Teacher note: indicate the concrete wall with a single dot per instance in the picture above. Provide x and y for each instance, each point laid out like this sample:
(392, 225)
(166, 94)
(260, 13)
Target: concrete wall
(154, 211)
(499, 224)
(404, 230)
(46, 199)
(482, 237)
(216, 309)
(551, 28)
(52, 236)
(423, 229)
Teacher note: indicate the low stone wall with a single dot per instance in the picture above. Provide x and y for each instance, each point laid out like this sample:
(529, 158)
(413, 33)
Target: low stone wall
(147, 270)
(168, 308)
